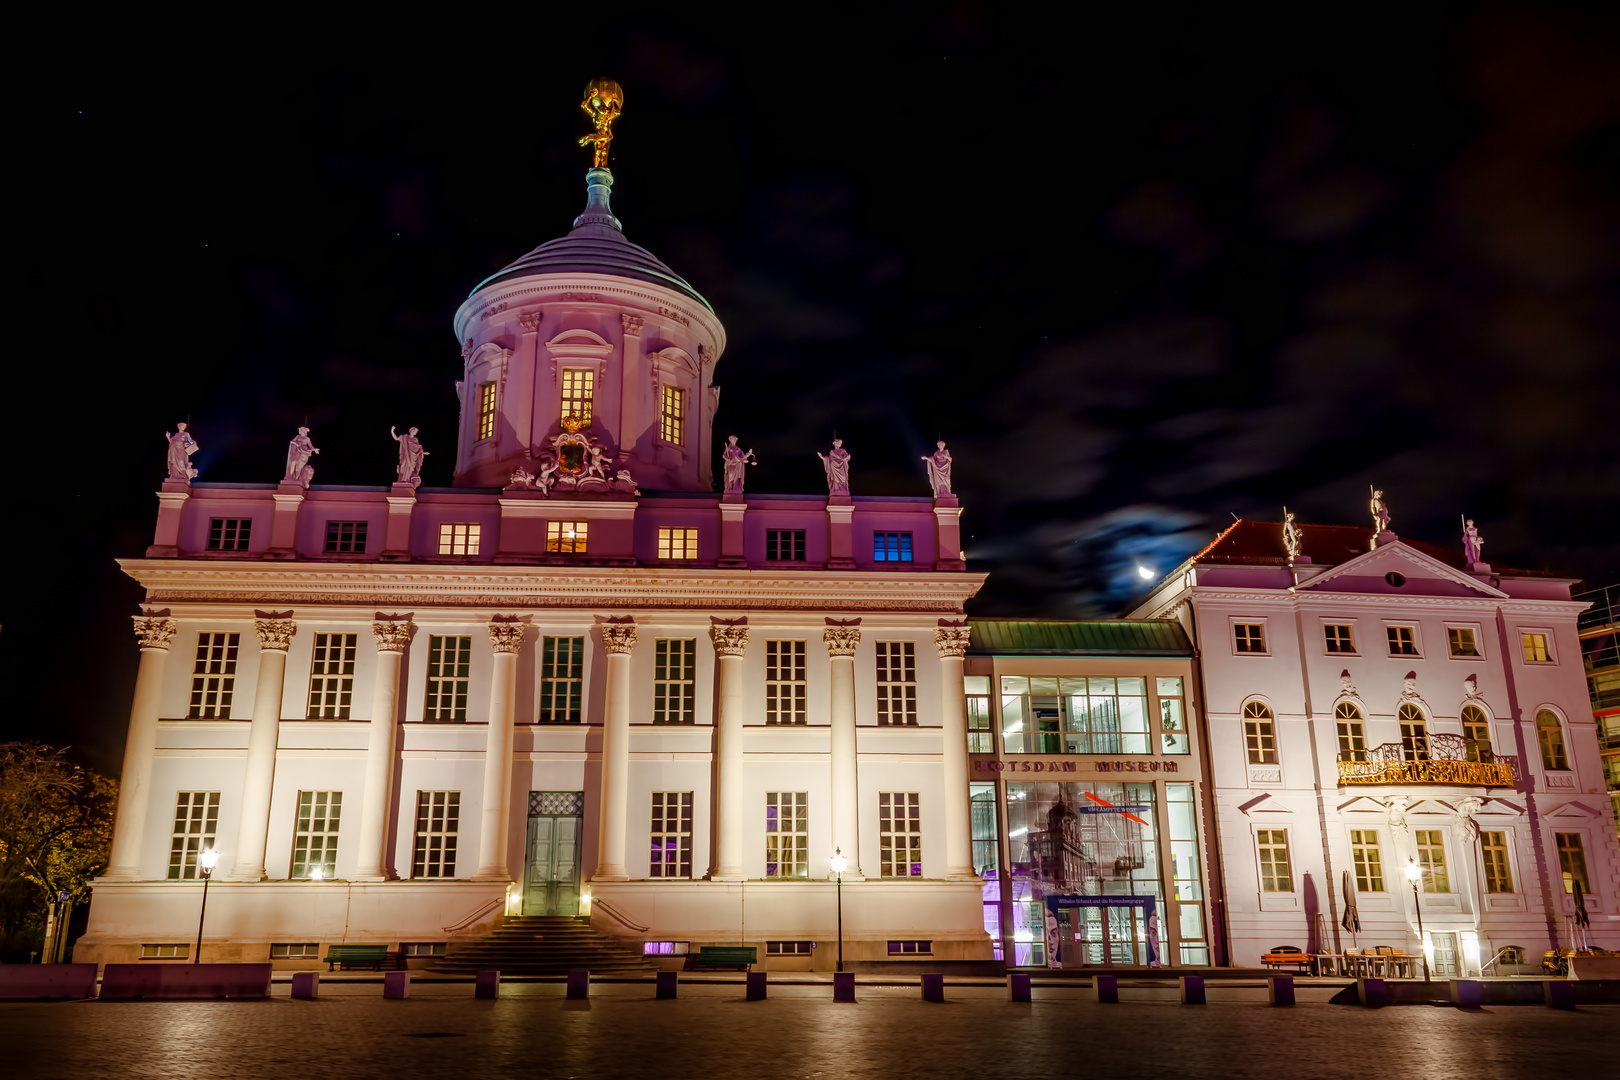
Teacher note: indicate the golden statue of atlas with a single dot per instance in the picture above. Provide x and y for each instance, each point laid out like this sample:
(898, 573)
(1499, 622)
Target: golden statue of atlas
(604, 99)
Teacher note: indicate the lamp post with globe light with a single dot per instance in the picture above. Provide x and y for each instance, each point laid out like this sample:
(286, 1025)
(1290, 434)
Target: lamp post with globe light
(838, 862)
(207, 859)
(1415, 875)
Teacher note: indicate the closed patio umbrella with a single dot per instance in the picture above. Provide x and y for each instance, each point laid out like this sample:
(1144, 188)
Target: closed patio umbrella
(1352, 918)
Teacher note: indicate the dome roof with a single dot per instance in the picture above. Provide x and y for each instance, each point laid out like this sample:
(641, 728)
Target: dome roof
(596, 245)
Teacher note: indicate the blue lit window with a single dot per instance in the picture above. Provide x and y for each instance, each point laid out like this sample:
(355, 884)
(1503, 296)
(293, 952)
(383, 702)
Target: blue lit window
(891, 547)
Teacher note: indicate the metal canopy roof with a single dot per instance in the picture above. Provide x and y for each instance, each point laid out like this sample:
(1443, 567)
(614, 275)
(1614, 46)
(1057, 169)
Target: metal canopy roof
(1077, 637)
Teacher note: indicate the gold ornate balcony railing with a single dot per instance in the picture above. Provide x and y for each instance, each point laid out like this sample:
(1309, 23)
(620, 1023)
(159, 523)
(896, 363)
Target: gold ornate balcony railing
(1442, 759)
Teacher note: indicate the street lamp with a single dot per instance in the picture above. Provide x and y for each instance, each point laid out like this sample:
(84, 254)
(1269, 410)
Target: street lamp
(1414, 875)
(208, 858)
(838, 862)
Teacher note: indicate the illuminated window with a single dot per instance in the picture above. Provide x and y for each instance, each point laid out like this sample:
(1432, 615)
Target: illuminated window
(1338, 638)
(346, 536)
(165, 952)
(459, 537)
(981, 735)
(196, 816)
(789, 948)
(671, 834)
(486, 410)
(1352, 736)
(787, 834)
(448, 670)
(307, 950)
(1402, 640)
(784, 545)
(900, 833)
(891, 547)
(785, 682)
(1551, 735)
(315, 835)
(1172, 717)
(1369, 862)
(1260, 734)
(1276, 874)
(1535, 648)
(438, 816)
(567, 537)
(1572, 861)
(1431, 857)
(1476, 734)
(1461, 640)
(213, 676)
(331, 676)
(672, 415)
(1494, 849)
(677, 543)
(1250, 637)
(897, 683)
(562, 679)
(675, 681)
(1414, 733)
(578, 386)
(229, 534)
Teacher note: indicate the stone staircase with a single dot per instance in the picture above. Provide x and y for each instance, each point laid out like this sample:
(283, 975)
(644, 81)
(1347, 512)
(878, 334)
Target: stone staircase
(544, 945)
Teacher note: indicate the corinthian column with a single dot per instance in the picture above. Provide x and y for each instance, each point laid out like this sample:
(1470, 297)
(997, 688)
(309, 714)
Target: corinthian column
(841, 643)
(730, 642)
(372, 864)
(506, 639)
(618, 639)
(952, 643)
(135, 787)
(275, 635)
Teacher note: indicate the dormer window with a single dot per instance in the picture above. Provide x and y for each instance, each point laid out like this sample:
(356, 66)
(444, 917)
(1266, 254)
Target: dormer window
(672, 415)
(578, 389)
(486, 410)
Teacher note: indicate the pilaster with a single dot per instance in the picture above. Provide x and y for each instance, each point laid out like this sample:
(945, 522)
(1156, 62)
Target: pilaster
(505, 639)
(840, 543)
(842, 638)
(948, 534)
(393, 635)
(289, 496)
(733, 505)
(951, 640)
(259, 775)
(171, 504)
(730, 643)
(397, 530)
(153, 632)
(618, 641)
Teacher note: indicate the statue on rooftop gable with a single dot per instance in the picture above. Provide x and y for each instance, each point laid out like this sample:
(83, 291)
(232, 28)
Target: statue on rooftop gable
(736, 462)
(939, 469)
(299, 451)
(1290, 535)
(836, 464)
(1472, 542)
(1379, 511)
(410, 456)
(181, 447)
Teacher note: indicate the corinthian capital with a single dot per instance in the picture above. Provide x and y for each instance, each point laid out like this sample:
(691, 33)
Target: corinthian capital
(951, 640)
(506, 636)
(276, 634)
(729, 640)
(154, 632)
(841, 640)
(391, 636)
(618, 637)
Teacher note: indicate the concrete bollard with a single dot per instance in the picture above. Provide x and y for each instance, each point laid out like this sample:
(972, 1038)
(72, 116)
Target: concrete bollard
(396, 985)
(1467, 993)
(667, 981)
(933, 987)
(306, 985)
(1106, 987)
(1372, 993)
(844, 986)
(1192, 990)
(487, 985)
(1282, 989)
(1558, 993)
(756, 986)
(579, 984)
(1018, 989)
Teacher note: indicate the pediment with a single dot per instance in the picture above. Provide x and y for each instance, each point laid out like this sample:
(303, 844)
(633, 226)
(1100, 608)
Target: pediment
(1263, 803)
(1363, 804)
(1425, 576)
(1573, 811)
(579, 344)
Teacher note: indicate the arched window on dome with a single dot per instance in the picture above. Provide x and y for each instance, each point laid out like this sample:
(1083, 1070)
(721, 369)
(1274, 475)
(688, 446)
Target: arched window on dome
(1352, 735)
(1550, 733)
(1476, 734)
(1260, 734)
(1414, 733)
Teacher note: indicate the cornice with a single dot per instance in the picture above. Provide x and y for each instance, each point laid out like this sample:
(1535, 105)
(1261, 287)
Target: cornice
(503, 300)
(1288, 598)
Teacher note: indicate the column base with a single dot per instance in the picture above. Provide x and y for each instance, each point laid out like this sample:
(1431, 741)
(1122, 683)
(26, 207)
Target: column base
(618, 876)
(728, 877)
(371, 877)
(120, 875)
(254, 875)
(501, 874)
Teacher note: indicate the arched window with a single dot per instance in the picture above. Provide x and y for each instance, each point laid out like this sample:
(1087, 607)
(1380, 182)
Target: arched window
(1551, 734)
(1476, 733)
(1260, 734)
(1352, 738)
(1414, 733)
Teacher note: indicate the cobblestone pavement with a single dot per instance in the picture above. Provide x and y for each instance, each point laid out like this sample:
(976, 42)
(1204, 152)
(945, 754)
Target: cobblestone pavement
(711, 1033)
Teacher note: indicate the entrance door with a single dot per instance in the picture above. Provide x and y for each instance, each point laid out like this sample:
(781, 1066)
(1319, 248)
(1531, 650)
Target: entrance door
(1101, 936)
(551, 863)
(1445, 956)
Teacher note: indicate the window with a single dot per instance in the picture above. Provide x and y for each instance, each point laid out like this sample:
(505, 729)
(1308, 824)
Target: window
(896, 683)
(1572, 861)
(1369, 863)
(196, 816)
(486, 410)
(671, 834)
(677, 543)
(1431, 856)
(981, 737)
(1276, 875)
(900, 833)
(675, 681)
(331, 676)
(1535, 648)
(1172, 719)
(438, 815)
(459, 537)
(784, 545)
(449, 664)
(1096, 715)
(1250, 637)
(787, 834)
(316, 835)
(891, 547)
(784, 682)
(1187, 872)
(308, 950)
(229, 534)
(213, 676)
(1338, 638)
(346, 536)
(1551, 735)
(1461, 640)
(1260, 735)
(562, 679)
(666, 948)
(672, 415)
(165, 952)
(1476, 734)
(982, 813)
(1402, 640)
(423, 948)
(1414, 733)
(911, 948)
(578, 386)
(789, 948)
(1498, 876)
(1352, 736)
(567, 537)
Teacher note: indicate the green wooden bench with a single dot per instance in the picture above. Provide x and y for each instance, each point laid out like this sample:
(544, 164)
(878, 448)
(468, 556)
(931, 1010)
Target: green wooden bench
(374, 957)
(728, 957)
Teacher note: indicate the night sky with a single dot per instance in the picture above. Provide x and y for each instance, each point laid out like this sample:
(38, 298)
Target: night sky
(1142, 272)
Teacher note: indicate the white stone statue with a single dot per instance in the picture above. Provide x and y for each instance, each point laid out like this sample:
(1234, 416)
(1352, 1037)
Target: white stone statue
(1466, 808)
(597, 465)
(1290, 535)
(181, 447)
(939, 469)
(1472, 542)
(736, 462)
(1380, 512)
(1395, 809)
(299, 451)
(837, 465)
(410, 456)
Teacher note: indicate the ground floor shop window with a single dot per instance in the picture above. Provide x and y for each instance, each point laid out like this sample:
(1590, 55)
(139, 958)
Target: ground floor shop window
(789, 948)
(911, 948)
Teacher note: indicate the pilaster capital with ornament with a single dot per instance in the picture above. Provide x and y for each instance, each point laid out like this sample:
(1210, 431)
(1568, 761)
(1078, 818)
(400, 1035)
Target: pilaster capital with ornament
(632, 323)
(155, 631)
(952, 641)
(506, 637)
(529, 321)
(392, 636)
(275, 634)
(841, 640)
(618, 638)
(729, 640)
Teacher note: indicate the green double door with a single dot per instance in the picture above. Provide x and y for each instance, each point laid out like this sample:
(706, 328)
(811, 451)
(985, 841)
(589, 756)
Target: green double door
(551, 863)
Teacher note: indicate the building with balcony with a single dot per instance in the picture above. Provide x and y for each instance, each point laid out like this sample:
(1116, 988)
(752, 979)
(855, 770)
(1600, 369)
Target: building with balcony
(1599, 628)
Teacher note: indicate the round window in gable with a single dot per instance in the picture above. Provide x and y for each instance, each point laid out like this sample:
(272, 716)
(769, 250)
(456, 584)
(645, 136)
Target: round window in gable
(1395, 579)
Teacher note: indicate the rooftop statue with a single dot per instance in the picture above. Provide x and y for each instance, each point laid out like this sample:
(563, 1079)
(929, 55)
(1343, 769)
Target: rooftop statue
(1472, 542)
(604, 100)
(181, 447)
(837, 465)
(1290, 535)
(410, 456)
(939, 469)
(736, 461)
(299, 451)
(1379, 511)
